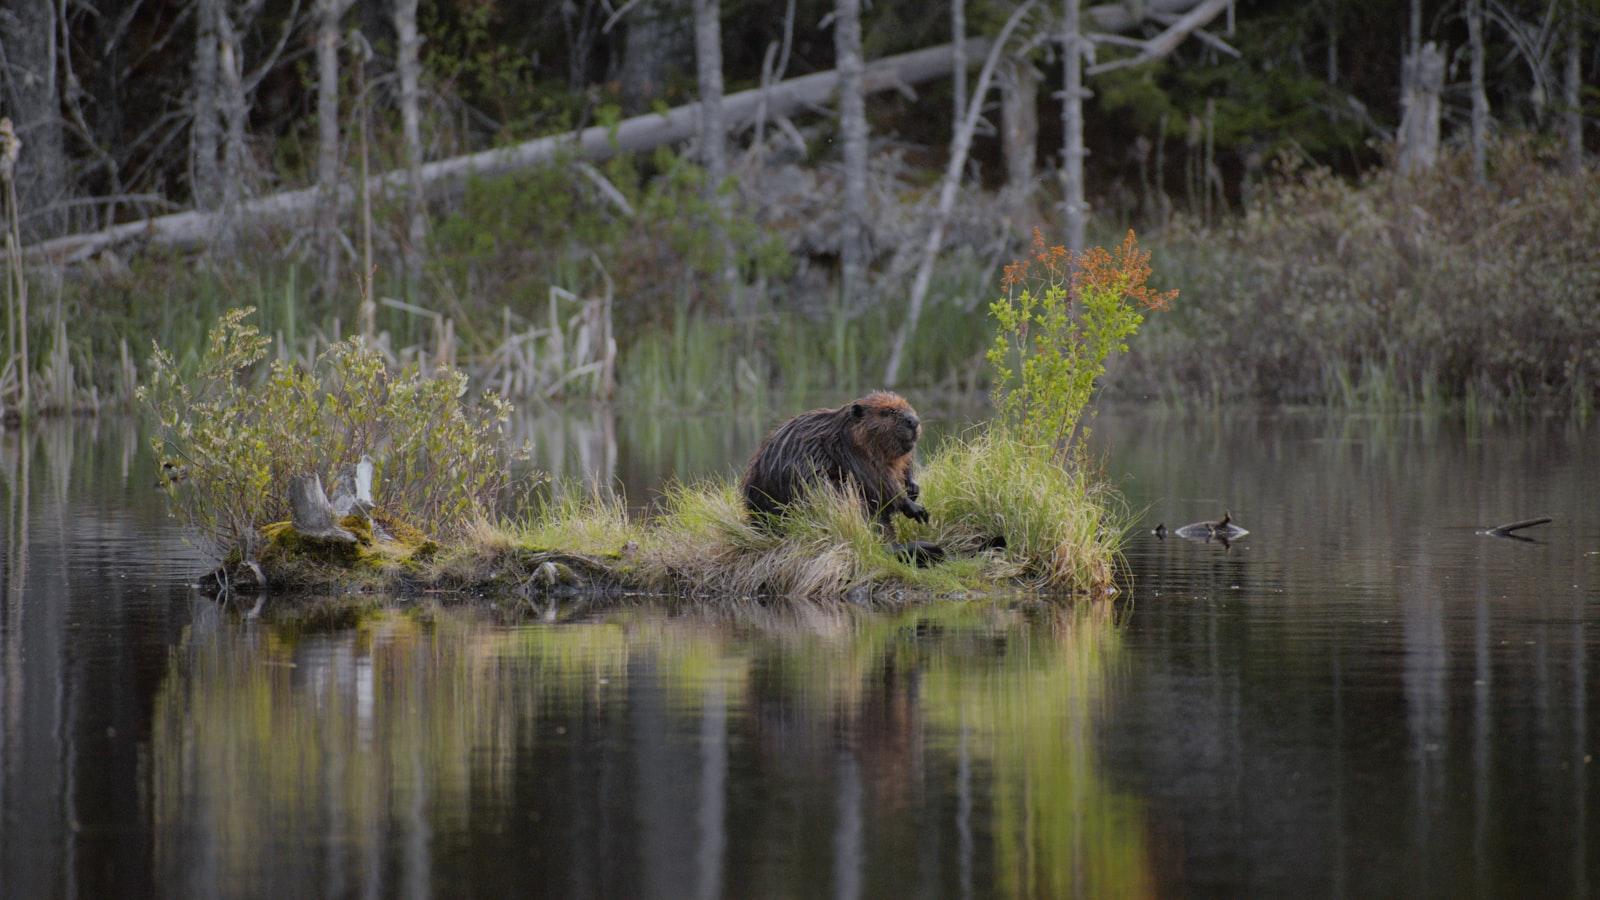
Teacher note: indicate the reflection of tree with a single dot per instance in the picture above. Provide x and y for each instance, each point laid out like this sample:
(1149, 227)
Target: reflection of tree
(642, 752)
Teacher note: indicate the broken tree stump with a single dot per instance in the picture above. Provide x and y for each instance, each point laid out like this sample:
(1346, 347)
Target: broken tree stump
(311, 514)
(352, 490)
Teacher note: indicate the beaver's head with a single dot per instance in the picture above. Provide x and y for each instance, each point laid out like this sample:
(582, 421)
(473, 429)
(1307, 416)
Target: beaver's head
(884, 422)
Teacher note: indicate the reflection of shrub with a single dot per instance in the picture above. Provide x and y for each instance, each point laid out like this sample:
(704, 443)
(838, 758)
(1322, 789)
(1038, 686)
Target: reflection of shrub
(1390, 290)
(439, 464)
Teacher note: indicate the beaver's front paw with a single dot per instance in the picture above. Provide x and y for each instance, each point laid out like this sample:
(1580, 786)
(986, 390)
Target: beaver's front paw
(916, 512)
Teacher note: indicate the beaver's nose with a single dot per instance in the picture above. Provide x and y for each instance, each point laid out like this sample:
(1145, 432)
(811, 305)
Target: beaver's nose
(914, 422)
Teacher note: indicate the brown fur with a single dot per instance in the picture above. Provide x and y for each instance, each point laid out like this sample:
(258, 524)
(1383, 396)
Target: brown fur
(867, 445)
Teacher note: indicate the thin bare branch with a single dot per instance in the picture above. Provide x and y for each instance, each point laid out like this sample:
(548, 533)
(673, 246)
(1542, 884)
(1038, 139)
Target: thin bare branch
(1167, 41)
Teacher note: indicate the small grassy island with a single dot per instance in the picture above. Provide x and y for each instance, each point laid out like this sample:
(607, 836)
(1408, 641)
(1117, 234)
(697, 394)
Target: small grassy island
(419, 475)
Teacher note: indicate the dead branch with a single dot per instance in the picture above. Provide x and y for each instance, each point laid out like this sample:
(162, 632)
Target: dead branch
(1510, 528)
(645, 132)
(1167, 41)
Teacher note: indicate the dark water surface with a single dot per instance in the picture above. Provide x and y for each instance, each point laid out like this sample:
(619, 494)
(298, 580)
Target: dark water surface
(1365, 696)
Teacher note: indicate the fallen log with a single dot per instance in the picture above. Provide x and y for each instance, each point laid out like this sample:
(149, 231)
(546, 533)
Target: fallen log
(194, 228)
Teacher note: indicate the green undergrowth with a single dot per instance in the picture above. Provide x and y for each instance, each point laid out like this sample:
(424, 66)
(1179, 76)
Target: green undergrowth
(1427, 292)
(1013, 505)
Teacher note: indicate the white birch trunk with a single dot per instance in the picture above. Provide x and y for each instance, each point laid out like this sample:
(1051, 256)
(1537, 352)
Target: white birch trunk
(853, 132)
(1019, 133)
(713, 131)
(406, 61)
(1480, 100)
(1072, 126)
(329, 12)
(708, 59)
(29, 34)
(235, 112)
(205, 179)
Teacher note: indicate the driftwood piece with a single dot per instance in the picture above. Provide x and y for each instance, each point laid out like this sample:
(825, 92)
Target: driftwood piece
(1510, 528)
(310, 512)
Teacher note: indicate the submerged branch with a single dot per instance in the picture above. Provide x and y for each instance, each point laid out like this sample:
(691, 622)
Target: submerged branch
(1510, 528)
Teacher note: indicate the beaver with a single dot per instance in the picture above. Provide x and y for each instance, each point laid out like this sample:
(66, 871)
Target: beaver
(868, 443)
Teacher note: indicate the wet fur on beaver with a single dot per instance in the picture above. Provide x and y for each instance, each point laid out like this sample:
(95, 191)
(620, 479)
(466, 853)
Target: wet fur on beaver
(868, 444)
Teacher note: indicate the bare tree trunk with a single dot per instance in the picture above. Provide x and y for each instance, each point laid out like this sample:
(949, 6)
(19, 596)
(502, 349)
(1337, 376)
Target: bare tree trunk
(368, 310)
(651, 52)
(713, 133)
(204, 135)
(853, 130)
(958, 40)
(1072, 125)
(28, 36)
(1480, 100)
(235, 113)
(1419, 125)
(1572, 160)
(960, 145)
(708, 57)
(405, 26)
(1019, 133)
(328, 14)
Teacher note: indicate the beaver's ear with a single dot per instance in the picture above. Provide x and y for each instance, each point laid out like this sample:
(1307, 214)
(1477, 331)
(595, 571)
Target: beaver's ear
(857, 410)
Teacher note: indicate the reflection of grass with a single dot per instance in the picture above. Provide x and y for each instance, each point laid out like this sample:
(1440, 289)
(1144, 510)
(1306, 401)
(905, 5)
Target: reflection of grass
(265, 738)
(1059, 829)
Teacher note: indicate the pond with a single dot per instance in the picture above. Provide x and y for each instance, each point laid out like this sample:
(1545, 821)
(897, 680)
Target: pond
(1364, 696)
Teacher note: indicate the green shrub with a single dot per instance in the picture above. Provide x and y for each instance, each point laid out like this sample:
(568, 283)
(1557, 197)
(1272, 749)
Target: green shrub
(232, 444)
(1394, 290)
(1060, 320)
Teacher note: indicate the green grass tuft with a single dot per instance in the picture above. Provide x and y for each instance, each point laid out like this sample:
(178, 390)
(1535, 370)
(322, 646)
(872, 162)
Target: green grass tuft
(1060, 528)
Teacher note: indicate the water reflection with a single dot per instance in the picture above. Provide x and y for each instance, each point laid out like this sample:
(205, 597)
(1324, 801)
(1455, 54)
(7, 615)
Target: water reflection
(1363, 697)
(645, 753)
(1411, 696)
(87, 571)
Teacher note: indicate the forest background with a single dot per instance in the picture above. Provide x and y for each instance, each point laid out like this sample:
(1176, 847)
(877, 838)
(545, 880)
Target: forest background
(687, 203)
